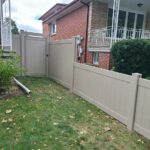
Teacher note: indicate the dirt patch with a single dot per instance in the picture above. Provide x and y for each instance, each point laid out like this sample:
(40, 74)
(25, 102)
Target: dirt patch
(13, 91)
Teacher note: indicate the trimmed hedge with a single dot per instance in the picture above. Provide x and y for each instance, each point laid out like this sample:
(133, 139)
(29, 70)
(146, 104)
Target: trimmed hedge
(132, 56)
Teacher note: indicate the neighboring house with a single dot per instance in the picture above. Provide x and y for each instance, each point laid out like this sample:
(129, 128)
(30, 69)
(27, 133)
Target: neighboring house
(100, 22)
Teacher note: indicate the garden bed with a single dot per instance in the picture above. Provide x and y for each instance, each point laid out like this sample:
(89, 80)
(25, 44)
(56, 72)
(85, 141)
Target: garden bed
(9, 68)
(14, 90)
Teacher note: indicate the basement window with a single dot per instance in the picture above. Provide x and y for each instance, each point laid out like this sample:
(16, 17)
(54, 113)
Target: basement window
(53, 28)
(96, 58)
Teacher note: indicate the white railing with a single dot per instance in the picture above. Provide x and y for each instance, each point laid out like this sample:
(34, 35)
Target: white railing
(105, 37)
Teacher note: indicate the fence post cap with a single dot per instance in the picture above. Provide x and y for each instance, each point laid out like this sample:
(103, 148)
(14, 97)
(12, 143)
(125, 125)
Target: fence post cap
(137, 75)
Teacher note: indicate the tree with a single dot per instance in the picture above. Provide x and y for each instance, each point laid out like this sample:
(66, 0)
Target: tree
(14, 27)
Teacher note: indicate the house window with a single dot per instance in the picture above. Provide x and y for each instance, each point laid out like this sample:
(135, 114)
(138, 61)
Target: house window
(53, 28)
(96, 58)
(110, 15)
(127, 19)
(132, 21)
(121, 19)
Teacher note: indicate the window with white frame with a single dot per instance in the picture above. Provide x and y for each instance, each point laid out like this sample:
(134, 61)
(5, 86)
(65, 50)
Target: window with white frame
(95, 58)
(53, 28)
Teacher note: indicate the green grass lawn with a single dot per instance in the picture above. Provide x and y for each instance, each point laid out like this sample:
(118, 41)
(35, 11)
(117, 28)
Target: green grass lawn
(54, 119)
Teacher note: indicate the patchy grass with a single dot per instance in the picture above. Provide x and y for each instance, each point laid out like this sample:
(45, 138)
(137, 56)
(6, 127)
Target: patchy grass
(54, 119)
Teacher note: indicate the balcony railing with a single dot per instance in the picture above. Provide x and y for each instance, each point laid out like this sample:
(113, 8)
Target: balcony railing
(105, 37)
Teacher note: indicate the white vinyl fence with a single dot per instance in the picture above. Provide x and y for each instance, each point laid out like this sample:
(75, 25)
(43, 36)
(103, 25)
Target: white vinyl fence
(126, 98)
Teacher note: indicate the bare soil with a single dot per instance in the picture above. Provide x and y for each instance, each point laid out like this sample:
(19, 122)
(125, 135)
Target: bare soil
(13, 91)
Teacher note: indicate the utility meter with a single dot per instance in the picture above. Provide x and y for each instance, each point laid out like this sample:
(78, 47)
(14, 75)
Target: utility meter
(79, 39)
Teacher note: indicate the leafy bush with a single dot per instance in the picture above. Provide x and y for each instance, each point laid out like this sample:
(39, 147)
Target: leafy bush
(132, 56)
(9, 67)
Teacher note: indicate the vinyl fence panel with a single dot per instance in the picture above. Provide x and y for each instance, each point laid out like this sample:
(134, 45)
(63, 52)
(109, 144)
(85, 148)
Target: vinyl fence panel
(106, 89)
(61, 59)
(142, 119)
(31, 47)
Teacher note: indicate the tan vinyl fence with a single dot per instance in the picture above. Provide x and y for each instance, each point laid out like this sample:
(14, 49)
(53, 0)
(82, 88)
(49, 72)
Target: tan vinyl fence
(126, 98)
(61, 59)
(32, 49)
(142, 115)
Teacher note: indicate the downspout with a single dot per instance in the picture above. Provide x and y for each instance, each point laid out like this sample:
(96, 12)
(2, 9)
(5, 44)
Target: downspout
(87, 29)
(23, 87)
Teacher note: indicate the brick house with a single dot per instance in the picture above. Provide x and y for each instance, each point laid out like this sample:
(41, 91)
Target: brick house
(100, 22)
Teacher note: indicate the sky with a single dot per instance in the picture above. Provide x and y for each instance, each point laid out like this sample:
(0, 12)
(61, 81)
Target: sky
(26, 13)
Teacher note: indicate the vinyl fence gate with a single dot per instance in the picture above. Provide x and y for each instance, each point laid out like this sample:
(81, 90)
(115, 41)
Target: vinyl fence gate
(31, 47)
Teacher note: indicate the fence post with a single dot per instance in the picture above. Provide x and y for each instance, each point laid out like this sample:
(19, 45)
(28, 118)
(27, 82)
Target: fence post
(22, 50)
(74, 59)
(47, 56)
(133, 100)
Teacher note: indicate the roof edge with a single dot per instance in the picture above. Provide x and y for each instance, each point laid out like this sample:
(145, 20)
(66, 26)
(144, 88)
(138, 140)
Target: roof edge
(62, 4)
(63, 9)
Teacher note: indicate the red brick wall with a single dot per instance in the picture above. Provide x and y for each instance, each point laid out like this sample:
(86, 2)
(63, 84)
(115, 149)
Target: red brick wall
(75, 24)
(105, 60)
(46, 29)
(71, 25)
(98, 20)
(99, 15)
(89, 57)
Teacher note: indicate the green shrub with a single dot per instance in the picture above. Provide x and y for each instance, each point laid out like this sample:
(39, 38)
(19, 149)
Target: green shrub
(9, 67)
(132, 56)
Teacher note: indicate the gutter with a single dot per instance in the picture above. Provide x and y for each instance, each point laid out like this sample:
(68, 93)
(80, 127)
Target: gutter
(87, 28)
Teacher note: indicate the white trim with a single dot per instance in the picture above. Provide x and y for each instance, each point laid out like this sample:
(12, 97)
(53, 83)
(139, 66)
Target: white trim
(52, 32)
(115, 18)
(101, 49)
(95, 59)
(144, 23)
(135, 23)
